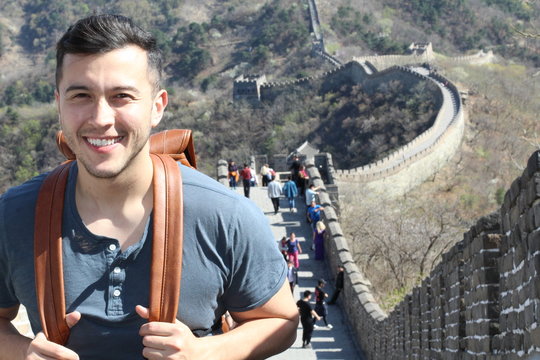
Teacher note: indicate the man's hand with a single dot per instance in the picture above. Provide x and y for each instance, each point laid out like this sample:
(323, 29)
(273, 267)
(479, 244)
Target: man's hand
(167, 341)
(41, 348)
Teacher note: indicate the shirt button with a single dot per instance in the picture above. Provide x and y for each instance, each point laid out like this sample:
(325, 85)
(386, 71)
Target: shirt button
(117, 270)
(117, 293)
(112, 247)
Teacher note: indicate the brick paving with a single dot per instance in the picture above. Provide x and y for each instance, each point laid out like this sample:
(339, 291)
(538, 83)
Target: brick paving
(336, 343)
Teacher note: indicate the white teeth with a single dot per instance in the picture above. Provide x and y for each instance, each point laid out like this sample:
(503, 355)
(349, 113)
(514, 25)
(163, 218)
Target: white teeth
(103, 142)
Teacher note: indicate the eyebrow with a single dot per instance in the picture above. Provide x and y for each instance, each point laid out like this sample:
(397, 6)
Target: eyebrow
(115, 89)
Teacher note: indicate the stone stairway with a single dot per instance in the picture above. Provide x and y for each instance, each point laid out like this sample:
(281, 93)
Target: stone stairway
(335, 343)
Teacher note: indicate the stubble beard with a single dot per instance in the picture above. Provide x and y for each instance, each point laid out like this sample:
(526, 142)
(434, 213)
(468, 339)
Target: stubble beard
(111, 174)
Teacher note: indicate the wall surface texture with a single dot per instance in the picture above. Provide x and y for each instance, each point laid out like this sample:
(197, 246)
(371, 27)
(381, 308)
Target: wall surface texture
(481, 302)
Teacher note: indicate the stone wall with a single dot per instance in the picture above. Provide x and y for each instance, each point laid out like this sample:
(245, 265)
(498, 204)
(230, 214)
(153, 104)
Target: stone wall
(413, 163)
(482, 301)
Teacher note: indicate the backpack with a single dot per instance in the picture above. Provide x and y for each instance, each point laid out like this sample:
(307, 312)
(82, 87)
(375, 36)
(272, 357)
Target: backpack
(166, 148)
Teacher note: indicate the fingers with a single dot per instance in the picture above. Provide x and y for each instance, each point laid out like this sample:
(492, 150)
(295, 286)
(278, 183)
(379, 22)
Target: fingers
(142, 311)
(73, 318)
(41, 348)
(145, 313)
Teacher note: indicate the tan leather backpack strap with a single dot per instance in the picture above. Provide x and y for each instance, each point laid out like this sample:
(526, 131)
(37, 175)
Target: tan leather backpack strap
(177, 143)
(167, 237)
(48, 266)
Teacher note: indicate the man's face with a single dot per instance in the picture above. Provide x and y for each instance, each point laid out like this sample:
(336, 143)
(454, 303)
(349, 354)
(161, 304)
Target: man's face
(107, 107)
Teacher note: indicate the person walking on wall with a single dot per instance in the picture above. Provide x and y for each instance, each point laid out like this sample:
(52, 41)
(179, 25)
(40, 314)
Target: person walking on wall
(303, 180)
(308, 316)
(320, 302)
(318, 240)
(338, 285)
(246, 179)
(293, 249)
(290, 191)
(232, 174)
(264, 175)
(295, 168)
(292, 275)
(274, 192)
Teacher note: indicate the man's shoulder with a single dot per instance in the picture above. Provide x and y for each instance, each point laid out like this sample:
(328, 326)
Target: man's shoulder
(24, 194)
(199, 187)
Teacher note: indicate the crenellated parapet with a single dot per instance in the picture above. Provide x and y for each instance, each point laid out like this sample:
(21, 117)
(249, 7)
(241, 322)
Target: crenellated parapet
(480, 302)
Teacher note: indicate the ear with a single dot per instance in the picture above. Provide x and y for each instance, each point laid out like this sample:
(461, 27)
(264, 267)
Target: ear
(160, 103)
(57, 101)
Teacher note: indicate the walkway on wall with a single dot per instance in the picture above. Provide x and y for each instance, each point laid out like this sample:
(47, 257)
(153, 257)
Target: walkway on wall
(336, 343)
(447, 114)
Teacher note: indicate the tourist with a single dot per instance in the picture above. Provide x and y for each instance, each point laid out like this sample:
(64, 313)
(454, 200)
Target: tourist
(320, 302)
(318, 240)
(245, 174)
(338, 285)
(274, 192)
(293, 249)
(290, 191)
(308, 316)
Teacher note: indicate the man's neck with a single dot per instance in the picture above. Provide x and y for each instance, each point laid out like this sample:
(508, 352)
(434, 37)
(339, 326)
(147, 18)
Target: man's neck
(117, 207)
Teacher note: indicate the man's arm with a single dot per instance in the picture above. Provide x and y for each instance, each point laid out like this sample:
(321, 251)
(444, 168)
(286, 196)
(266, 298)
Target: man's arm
(12, 343)
(18, 347)
(260, 333)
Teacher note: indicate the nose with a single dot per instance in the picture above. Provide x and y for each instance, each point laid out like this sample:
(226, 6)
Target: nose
(103, 113)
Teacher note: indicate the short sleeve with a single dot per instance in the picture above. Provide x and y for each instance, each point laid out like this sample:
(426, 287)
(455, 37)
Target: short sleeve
(258, 269)
(7, 293)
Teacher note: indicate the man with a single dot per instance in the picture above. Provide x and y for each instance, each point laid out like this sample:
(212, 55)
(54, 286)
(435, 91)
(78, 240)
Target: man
(290, 191)
(311, 193)
(314, 214)
(246, 179)
(295, 168)
(292, 275)
(320, 305)
(264, 175)
(109, 98)
(338, 286)
(308, 316)
(274, 192)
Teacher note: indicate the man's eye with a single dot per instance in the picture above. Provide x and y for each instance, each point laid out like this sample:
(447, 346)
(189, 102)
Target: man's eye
(123, 96)
(80, 95)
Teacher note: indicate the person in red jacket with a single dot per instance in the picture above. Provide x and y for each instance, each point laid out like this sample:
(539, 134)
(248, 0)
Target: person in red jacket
(246, 179)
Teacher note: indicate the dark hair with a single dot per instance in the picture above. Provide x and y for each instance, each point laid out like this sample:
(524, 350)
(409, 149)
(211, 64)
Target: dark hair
(99, 34)
(307, 293)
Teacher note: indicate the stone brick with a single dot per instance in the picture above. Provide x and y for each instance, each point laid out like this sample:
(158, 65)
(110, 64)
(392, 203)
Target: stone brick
(345, 257)
(533, 164)
(489, 223)
(515, 189)
(536, 212)
(335, 229)
(514, 215)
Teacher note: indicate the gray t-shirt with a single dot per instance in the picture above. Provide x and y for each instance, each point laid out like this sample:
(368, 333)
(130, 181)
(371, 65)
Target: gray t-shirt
(230, 262)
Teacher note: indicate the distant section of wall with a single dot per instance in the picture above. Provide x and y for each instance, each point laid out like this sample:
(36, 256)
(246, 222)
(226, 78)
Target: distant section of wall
(413, 163)
(479, 58)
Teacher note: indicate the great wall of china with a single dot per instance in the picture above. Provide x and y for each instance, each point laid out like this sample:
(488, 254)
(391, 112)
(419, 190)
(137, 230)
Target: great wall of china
(482, 301)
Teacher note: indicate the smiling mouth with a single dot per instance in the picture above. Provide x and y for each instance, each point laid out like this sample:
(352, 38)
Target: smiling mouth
(104, 142)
